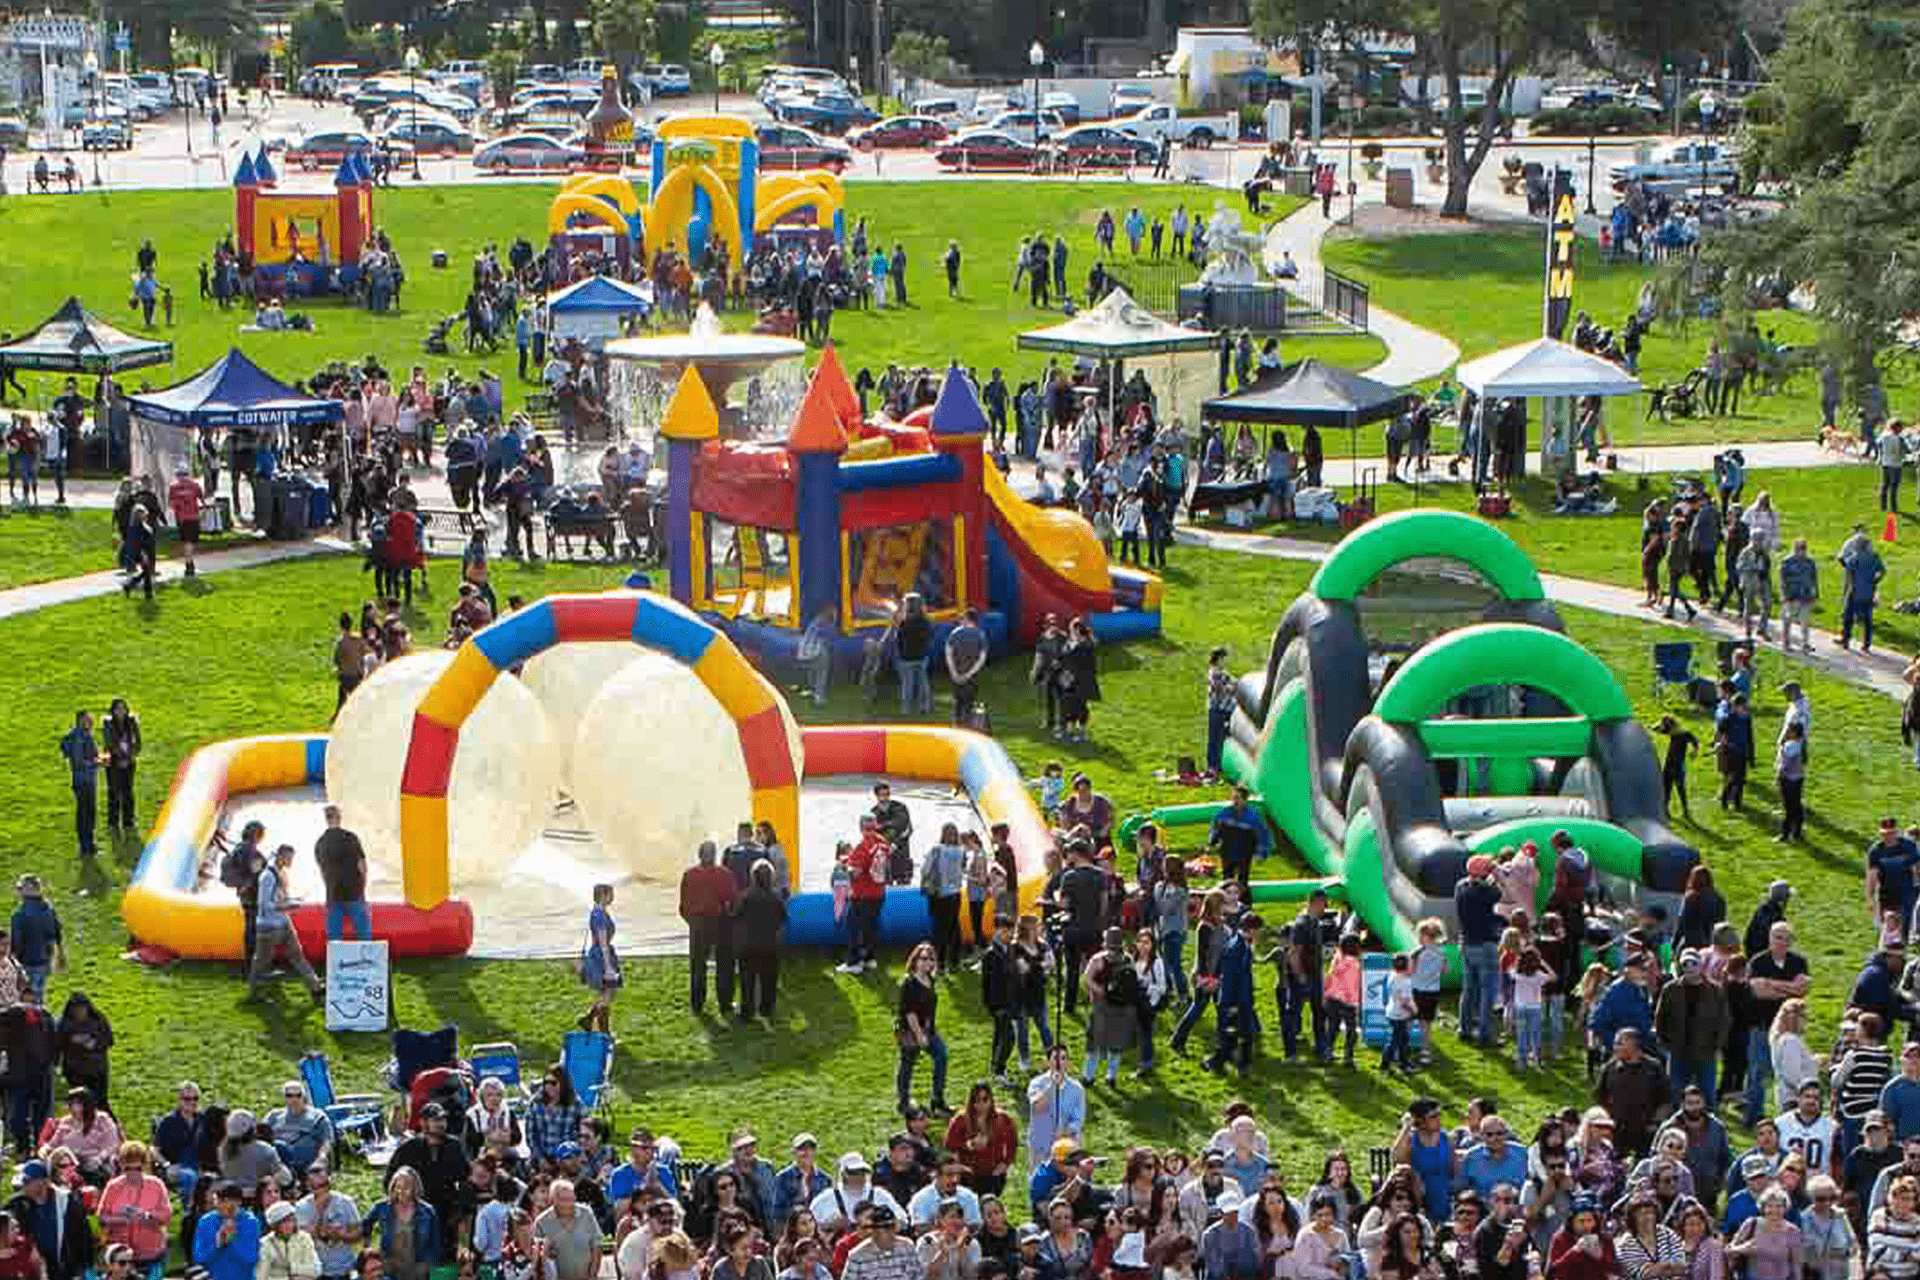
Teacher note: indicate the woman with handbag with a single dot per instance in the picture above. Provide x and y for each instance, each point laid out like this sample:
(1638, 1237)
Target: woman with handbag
(598, 966)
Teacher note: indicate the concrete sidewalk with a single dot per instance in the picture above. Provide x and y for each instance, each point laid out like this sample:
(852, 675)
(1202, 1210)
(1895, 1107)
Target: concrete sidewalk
(43, 595)
(1877, 671)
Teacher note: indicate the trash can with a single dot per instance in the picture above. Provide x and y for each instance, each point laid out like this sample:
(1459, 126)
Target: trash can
(319, 507)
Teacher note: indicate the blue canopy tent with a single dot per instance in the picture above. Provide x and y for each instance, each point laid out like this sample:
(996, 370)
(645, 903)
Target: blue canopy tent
(591, 309)
(231, 392)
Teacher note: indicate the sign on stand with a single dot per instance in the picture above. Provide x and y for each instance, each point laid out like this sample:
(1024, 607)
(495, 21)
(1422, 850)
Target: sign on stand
(1375, 968)
(358, 989)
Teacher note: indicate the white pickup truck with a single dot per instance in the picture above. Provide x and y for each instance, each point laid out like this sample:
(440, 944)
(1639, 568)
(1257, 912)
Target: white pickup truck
(1163, 121)
(1689, 164)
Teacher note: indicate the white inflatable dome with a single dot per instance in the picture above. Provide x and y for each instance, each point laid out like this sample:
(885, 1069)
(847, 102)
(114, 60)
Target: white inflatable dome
(566, 678)
(505, 767)
(657, 768)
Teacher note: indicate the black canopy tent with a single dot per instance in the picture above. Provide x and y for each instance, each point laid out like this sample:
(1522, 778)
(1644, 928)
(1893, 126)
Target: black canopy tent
(1309, 393)
(75, 340)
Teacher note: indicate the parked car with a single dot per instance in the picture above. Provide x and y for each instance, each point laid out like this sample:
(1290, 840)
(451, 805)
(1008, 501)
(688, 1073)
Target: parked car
(988, 149)
(1687, 163)
(1125, 99)
(1101, 145)
(527, 152)
(946, 110)
(899, 131)
(429, 137)
(545, 73)
(787, 146)
(107, 133)
(1162, 121)
(332, 146)
(827, 112)
(989, 105)
(1029, 126)
(667, 79)
(1064, 104)
(13, 132)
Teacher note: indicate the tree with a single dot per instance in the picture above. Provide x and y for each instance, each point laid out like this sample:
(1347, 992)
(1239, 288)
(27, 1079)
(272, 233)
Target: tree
(1499, 38)
(914, 53)
(503, 68)
(623, 30)
(1839, 130)
(319, 34)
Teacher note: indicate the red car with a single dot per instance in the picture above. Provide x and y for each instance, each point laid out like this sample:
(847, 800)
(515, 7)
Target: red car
(899, 131)
(985, 149)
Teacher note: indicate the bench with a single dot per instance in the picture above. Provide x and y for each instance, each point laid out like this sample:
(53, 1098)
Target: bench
(465, 521)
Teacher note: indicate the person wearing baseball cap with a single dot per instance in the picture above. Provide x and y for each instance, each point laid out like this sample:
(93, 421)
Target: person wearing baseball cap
(286, 1252)
(834, 1208)
(1230, 1247)
(1476, 904)
(802, 1179)
(438, 1161)
(643, 1168)
(35, 935)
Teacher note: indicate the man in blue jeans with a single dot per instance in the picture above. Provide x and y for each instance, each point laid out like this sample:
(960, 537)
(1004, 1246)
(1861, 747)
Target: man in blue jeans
(912, 648)
(1474, 900)
(343, 869)
(83, 758)
(1864, 568)
(1777, 975)
(37, 940)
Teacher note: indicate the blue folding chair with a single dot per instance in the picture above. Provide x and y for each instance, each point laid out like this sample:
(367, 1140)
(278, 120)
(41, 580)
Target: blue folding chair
(587, 1058)
(1672, 664)
(361, 1115)
(499, 1061)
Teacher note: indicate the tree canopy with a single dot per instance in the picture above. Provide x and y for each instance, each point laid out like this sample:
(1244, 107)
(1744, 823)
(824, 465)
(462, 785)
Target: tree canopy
(1839, 131)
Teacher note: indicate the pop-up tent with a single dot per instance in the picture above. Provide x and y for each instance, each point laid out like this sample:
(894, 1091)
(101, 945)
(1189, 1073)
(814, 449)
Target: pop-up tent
(1312, 393)
(1554, 371)
(75, 340)
(1118, 328)
(233, 391)
(590, 309)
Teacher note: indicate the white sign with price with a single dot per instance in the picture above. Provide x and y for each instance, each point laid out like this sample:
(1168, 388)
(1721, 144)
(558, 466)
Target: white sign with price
(357, 986)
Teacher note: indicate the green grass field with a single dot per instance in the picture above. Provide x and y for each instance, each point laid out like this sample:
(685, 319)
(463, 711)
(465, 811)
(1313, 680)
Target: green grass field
(246, 652)
(63, 542)
(87, 244)
(1483, 290)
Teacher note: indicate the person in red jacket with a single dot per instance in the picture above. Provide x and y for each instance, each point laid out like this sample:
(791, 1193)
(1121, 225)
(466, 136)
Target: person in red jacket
(707, 893)
(983, 1138)
(1582, 1250)
(184, 496)
(869, 864)
(399, 555)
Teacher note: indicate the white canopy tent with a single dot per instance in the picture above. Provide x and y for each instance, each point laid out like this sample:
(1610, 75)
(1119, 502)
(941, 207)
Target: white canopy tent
(1117, 329)
(1554, 371)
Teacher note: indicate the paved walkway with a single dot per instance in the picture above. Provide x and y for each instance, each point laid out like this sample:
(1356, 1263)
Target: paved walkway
(1877, 671)
(44, 595)
(1414, 354)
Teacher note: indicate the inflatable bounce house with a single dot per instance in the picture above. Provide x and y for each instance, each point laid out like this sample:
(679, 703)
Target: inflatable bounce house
(323, 228)
(491, 802)
(846, 517)
(1388, 760)
(705, 183)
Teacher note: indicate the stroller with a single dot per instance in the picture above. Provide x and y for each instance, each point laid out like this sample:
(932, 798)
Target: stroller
(436, 342)
(1677, 399)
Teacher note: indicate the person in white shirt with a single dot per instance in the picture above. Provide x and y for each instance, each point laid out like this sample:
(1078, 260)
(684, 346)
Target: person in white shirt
(635, 1254)
(833, 1208)
(1808, 1130)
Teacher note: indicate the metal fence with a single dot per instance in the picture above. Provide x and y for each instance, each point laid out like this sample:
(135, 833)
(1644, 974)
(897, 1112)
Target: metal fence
(1344, 298)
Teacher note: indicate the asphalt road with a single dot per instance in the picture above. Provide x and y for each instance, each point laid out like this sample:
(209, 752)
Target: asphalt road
(168, 154)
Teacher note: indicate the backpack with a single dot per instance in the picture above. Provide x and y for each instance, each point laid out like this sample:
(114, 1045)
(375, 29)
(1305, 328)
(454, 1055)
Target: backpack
(1123, 983)
(235, 873)
(900, 865)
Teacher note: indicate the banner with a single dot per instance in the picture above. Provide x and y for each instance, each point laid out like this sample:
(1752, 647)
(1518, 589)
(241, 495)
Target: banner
(1563, 210)
(1375, 968)
(358, 987)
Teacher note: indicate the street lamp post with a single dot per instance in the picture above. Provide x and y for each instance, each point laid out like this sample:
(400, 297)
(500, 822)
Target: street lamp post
(1350, 104)
(413, 108)
(1036, 58)
(1592, 143)
(99, 110)
(717, 56)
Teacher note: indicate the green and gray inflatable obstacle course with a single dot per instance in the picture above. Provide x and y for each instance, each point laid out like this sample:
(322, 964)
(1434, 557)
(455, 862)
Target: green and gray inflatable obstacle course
(1487, 735)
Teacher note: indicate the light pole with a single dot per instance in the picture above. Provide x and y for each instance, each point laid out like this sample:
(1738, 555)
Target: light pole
(717, 56)
(413, 108)
(1592, 142)
(1350, 104)
(99, 111)
(1036, 58)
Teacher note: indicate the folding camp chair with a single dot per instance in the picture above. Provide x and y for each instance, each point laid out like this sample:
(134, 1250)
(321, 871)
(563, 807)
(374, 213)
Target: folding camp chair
(359, 1115)
(1672, 664)
(499, 1061)
(587, 1057)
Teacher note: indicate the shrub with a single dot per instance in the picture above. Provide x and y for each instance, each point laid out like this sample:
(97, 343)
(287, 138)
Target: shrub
(1577, 122)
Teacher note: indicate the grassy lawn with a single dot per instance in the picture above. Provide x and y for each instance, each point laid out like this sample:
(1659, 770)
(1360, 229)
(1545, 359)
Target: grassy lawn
(247, 653)
(1483, 290)
(1820, 504)
(40, 546)
(86, 246)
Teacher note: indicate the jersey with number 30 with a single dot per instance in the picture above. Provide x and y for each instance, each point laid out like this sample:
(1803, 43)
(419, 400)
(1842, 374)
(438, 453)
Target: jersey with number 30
(1813, 1139)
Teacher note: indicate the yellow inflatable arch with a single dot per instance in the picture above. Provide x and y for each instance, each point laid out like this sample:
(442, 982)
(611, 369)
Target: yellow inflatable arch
(673, 204)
